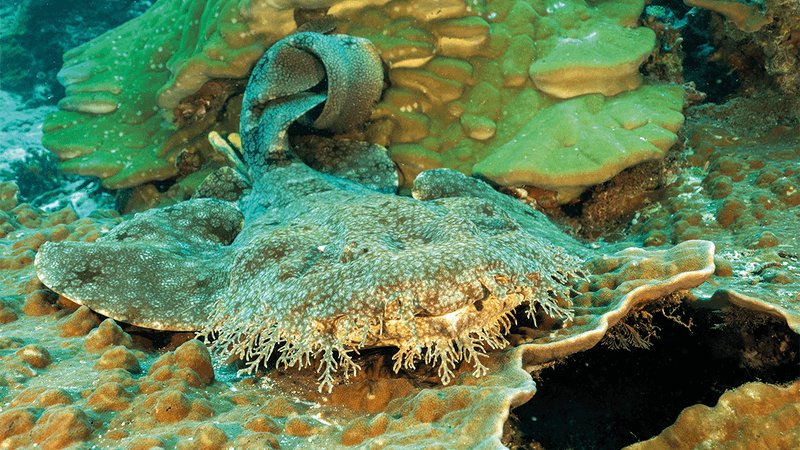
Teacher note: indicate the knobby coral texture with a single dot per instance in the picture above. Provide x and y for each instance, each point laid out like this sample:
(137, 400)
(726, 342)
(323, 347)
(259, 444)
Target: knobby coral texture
(479, 87)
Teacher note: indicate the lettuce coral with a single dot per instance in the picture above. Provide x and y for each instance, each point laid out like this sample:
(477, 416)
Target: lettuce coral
(587, 140)
(464, 89)
(124, 88)
(464, 79)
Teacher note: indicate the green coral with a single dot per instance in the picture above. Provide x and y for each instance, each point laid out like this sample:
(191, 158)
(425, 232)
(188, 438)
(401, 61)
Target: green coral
(34, 39)
(587, 140)
(451, 99)
(504, 71)
(122, 119)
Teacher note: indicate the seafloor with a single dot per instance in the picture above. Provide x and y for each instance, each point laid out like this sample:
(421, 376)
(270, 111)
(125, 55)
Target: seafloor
(708, 363)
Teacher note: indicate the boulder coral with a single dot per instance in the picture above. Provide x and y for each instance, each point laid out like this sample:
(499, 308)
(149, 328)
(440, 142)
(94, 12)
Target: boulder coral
(743, 194)
(585, 141)
(463, 90)
(464, 78)
(590, 54)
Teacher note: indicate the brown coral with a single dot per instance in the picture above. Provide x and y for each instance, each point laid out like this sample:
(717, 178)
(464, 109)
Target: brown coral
(754, 415)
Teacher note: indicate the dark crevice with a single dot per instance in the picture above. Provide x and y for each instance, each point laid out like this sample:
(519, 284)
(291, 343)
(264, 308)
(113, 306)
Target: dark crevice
(607, 399)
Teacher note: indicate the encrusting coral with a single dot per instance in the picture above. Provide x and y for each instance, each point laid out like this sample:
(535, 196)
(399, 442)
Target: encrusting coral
(464, 79)
(743, 194)
(586, 141)
(619, 283)
(755, 415)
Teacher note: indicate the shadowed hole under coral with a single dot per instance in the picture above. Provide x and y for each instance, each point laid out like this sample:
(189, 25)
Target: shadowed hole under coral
(607, 399)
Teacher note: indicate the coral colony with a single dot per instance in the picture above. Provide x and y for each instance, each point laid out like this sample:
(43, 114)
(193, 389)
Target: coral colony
(318, 248)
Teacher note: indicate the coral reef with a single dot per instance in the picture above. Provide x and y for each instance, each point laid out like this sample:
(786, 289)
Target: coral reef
(24, 159)
(169, 402)
(129, 81)
(471, 93)
(590, 55)
(773, 48)
(181, 400)
(459, 318)
(450, 101)
(586, 141)
(33, 169)
(743, 195)
(440, 281)
(618, 284)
